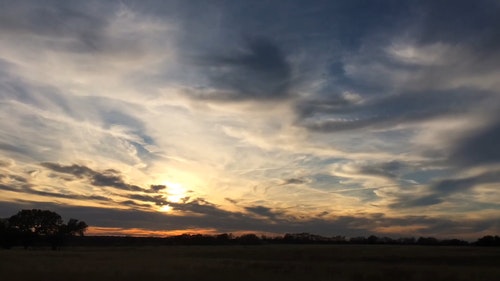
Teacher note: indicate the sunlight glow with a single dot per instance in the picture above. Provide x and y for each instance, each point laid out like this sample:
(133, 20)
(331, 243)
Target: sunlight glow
(166, 208)
(175, 192)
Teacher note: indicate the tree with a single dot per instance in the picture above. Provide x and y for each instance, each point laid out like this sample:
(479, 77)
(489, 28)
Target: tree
(33, 225)
(75, 227)
(249, 239)
(489, 240)
(427, 241)
(7, 234)
(35, 221)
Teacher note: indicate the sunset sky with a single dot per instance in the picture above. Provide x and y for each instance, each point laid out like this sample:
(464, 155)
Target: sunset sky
(329, 117)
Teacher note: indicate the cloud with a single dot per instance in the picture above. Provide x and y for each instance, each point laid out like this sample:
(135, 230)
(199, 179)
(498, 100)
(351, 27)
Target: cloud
(23, 185)
(232, 201)
(462, 22)
(479, 146)
(57, 20)
(441, 191)
(259, 72)
(262, 211)
(8, 187)
(370, 174)
(387, 111)
(294, 181)
(158, 200)
(20, 149)
(385, 169)
(448, 186)
(134, 204)
(111, 178)
(157, 187)
(350, 226)
(75, 170)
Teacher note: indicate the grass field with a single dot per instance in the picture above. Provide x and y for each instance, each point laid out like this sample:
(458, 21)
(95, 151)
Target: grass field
(273, 262)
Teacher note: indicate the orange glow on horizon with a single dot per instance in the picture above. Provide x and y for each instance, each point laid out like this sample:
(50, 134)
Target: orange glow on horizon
(140, 232)
(397, 229)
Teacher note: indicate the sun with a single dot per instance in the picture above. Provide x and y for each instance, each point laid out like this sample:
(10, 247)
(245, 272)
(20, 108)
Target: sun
(175, 192)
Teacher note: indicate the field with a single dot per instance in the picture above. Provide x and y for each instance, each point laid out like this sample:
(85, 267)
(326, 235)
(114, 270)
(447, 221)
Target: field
(266, 262)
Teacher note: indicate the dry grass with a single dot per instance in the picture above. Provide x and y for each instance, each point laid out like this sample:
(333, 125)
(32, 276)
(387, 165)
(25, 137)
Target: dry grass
(278, 262)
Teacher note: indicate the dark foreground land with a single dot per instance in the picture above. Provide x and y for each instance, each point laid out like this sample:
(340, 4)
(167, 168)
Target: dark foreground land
(264, 262)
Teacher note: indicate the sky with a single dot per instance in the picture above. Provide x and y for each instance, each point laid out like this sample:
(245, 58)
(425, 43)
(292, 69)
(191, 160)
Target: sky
(329, 117)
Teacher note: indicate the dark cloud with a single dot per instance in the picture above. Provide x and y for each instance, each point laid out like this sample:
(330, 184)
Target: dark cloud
(322, 214)
(461, 22)
(157, 187)
(262, 211)
(112, 115)
(27, 188)
(387, 111)
(294, 181)
(324, 105)
(111, 178)
(260, 72)
(20, 149)
(440, 190)
(69, 26)
(448, 186)
(199, 206)
(416, 201)
(479, 147)
(232, 201)
(16, 183)
(386, 169)
(134, 204)
(75, 170)
(68, 195)
(84, 22)
(16, 178)
(8, 187)
(475, 149)
(157, 200)
(23, 185)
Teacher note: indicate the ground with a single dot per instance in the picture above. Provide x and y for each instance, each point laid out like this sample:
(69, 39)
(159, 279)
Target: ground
(264, 262)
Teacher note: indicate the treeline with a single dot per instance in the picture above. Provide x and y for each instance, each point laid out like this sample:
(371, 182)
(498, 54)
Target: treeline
(36, 228)
(253, 239)
(33, 228)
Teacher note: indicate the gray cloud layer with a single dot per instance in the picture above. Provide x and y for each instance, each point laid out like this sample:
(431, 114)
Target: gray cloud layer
(350, 226)
(386, 111)
(259, 72)
(480, 147)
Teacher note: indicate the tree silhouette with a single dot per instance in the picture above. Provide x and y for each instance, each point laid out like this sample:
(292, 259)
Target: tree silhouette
(35, 221)
(249, 239)
(7, 234)
(75, 227)
(489, 240)
(35, 225)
